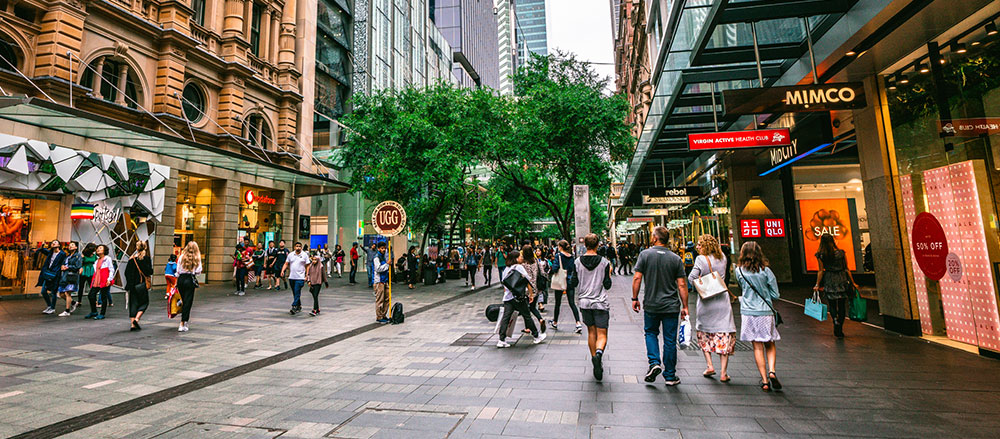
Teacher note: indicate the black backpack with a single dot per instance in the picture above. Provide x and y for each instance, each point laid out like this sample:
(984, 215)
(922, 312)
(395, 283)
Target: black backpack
(397, 314)
(493, 311)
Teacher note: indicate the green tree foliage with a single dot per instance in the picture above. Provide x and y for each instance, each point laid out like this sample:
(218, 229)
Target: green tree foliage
(564, 131)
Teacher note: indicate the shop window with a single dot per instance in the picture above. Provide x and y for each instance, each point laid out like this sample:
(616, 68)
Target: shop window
(194, 209)
(258, 132)
(258, 11)
(199, 12)
(194, 102)
(260, 215)
(331, 57)
(9, 60)
(112, 72)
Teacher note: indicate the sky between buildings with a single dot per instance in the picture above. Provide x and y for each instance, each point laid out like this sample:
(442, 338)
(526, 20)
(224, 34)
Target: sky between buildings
(583, 27)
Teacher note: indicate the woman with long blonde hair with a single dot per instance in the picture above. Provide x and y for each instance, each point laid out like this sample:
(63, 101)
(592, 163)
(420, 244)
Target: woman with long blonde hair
(188, 268)
(716, 329)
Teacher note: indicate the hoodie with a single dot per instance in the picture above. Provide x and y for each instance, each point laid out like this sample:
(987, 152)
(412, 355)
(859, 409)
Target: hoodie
(594, 272)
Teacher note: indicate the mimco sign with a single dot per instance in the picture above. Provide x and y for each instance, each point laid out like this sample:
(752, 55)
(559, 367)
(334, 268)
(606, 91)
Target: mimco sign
(799, 98)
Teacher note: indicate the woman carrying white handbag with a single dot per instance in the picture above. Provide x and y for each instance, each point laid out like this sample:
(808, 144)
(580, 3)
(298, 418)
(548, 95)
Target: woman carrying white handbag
(716, 329)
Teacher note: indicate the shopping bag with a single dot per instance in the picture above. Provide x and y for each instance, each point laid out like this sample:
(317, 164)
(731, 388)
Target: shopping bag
(815, 308)
(173, 303)
(710, 284)
(684, 333)
(859, 308)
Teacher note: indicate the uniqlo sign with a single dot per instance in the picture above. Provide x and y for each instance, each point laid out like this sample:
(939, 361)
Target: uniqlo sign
(774, 228)
(739, 139)
(750, 228)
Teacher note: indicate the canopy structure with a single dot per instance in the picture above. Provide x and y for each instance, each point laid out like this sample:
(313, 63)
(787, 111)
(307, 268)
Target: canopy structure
(53, 116)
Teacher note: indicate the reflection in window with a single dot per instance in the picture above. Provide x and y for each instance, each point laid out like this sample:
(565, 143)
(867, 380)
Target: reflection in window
(333, 21)
(194, 103)
(332, 57)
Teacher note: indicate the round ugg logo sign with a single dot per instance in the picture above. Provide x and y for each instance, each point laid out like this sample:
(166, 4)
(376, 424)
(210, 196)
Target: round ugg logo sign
(389, 218)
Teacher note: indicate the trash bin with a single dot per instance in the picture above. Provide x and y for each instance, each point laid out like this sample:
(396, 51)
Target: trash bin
(430, 276)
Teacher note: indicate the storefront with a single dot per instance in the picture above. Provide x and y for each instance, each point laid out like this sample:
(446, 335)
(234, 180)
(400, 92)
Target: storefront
(49, 192)
(942, 108)
(194, 209)
(260, 217)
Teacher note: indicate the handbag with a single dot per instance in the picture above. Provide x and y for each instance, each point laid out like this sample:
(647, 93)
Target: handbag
(816, 308)
(143, 287)
(859, 308)
(684, 333)
(710, 285)
(559, 279)
(517, 283)
(777, 316)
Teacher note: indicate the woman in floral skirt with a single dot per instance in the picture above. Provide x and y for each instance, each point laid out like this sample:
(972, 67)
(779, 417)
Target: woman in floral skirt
(716, 329)
(760, 289)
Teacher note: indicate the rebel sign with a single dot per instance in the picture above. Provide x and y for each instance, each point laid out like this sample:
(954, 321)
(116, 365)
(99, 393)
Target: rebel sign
(389, 218)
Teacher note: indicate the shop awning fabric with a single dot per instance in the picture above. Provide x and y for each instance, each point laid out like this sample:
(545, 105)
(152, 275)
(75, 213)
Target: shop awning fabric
(58, 117)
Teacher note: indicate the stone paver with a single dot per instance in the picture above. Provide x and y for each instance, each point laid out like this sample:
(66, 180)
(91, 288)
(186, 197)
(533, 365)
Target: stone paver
(410, 381)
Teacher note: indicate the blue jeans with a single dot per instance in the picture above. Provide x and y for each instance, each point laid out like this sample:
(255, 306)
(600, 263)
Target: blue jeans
(371, 277)
(297, 284)
(669, 322)
(49, 292)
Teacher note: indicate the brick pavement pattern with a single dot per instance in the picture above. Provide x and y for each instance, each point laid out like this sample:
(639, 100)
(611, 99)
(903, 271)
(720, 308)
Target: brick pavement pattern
(439, 376)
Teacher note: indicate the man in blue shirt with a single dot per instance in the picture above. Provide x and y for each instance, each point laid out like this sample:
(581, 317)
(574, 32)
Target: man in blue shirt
(380, 263)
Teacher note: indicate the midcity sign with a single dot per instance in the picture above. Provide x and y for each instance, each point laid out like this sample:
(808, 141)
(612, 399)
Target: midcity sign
(795, 99)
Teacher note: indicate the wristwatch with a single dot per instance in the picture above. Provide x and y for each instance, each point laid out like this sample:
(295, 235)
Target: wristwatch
(635, 299)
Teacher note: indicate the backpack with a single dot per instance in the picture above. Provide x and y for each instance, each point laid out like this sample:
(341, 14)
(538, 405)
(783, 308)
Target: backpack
(397, 314)
(493, 311)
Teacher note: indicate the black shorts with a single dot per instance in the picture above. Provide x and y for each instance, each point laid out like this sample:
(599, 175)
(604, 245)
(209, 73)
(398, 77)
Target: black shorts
(595, 317)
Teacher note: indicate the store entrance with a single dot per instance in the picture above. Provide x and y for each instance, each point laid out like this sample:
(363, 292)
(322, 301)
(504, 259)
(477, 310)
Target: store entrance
(194, 211)
(27, 221)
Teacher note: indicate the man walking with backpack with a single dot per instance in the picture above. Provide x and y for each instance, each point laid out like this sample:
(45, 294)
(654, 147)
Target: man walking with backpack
(665, 302)
(380, 271)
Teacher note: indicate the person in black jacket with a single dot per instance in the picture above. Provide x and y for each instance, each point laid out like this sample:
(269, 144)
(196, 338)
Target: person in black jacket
(51, 274)
(70, 278)
(137, 275)
(412, 267)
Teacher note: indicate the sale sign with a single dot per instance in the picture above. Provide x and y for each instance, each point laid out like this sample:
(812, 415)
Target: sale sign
(831, 216)
(930, 246)
(750, 228)
(739, 139)
(774, 228)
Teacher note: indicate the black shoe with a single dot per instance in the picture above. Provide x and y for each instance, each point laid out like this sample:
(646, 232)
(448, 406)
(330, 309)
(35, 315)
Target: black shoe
(672, 381)
(598, 366)
(838, 331)
(292, 311)
(772, 379)
(653, 372)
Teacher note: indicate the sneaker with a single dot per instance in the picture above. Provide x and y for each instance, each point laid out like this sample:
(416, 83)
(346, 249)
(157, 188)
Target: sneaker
(64, 314)
(579, 328)
(539, 339)
(672, 381)
(555, 326)
(75, 305)
(314, 313)
(598, 366)
(49, 310)
(90, 316)
(240, 293)
(99, 317)
(653, 372)
(502, 344)
(292, 311)
(383, 321)
(180, 328)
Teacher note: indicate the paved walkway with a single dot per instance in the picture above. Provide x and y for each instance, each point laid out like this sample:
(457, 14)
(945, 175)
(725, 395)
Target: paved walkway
(439, 376)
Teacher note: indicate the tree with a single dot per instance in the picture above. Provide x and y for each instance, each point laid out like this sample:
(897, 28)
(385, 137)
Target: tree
(563, 131)
(417, 147)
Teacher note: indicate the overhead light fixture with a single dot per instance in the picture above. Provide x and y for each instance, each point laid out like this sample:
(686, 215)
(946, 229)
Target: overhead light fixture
(890, 83)
(902, 79)
(942, 61)
(851, 53)
(958, 47)
(975, 43)
(923, 68)
(991, 28)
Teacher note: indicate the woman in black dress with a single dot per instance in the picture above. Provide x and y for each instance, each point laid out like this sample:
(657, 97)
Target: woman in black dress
(137, 275)
(834, 281)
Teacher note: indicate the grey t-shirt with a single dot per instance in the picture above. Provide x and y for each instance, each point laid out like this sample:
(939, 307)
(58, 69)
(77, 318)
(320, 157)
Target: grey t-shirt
(660, 270)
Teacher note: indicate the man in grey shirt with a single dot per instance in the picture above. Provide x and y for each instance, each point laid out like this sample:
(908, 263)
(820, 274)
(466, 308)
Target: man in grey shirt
(665, 302)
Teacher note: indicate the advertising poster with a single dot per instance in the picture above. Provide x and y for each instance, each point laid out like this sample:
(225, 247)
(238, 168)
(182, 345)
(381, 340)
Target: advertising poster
(833, 216)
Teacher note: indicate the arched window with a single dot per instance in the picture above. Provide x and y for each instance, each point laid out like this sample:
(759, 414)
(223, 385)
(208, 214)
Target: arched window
(255, 129)
(9, 60)
(115, 75)
(194, 103)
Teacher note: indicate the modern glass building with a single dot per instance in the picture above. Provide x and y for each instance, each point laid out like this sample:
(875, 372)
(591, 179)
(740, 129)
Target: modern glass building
(470, 27)
(506, 43)
(530, 16)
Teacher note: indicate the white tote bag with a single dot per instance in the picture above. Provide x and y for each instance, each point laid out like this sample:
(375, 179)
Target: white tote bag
(711, 284)
(559, 279)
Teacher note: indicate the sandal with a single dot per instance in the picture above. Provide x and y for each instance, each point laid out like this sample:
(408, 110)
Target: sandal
(764, 386)
(725, 379)
(772, 379)
(708, 373)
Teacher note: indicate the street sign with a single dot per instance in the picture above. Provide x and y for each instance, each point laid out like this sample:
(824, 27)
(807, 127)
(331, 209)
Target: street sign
(794, 99)
(739, 139)
(389, 218)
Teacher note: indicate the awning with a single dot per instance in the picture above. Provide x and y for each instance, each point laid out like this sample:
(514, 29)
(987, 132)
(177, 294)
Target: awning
(58, 117)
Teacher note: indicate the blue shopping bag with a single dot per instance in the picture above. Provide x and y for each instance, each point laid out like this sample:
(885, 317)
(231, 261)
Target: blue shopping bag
(815, 308)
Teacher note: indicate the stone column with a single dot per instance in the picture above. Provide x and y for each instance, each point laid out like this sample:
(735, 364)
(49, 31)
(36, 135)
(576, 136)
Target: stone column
(286, 54)
(263, 50)
(98, 78)
(232, 25)
(222, 232)
(893, 267)
(247, 19)
(259, 126)
(122, 78)
(272, 46)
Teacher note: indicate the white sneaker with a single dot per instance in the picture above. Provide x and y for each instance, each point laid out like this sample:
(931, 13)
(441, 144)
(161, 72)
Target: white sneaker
(539, 339)
(75, 305)
(64, 314)
(502, 344)
(49, 311)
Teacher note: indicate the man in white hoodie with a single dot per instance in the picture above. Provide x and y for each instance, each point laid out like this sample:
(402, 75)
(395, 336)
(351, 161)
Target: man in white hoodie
(594, 274)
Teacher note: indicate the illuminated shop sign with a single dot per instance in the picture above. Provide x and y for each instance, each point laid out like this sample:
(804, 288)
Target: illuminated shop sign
(768, 138)
(794, 99)
(250, 197)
